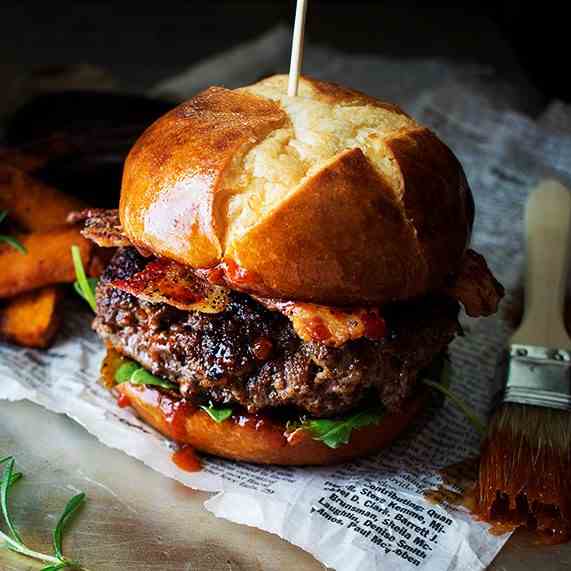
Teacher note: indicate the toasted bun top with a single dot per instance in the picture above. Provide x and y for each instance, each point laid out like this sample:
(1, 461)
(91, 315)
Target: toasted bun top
(331, 196)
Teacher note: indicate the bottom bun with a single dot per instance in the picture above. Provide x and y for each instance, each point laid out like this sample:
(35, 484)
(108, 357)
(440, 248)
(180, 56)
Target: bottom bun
(256, 438)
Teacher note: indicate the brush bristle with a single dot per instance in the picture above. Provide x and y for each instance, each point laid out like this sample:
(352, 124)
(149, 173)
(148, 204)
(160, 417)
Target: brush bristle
(525, 469)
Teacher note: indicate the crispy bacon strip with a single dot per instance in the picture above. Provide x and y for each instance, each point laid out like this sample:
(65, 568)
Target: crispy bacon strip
(332, 326)
(102, 226)
(329, 325)
(166, 281)
(169, 282)
(475, 286)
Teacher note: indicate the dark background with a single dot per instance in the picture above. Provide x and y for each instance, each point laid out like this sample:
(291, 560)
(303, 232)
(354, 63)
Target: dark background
(520, 39)
(86, 135)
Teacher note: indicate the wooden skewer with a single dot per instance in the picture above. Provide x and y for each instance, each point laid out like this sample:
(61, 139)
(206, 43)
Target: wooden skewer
(297, 48)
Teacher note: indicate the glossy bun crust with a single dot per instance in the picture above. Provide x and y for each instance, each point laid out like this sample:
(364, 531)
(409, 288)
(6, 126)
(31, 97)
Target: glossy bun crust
(331, 196)
(255, 439)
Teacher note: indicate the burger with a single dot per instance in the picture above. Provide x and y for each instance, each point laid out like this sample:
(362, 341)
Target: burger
(287, 271)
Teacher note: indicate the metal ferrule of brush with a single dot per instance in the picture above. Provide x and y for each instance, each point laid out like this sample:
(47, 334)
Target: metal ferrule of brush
(538, 376)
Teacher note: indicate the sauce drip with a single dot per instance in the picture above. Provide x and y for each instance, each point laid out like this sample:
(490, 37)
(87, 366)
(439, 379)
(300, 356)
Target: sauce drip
(501, 527)
(214, 275)
(123, 401)
(459, 488)
(185, 458)
(175, 415)
(236, 274)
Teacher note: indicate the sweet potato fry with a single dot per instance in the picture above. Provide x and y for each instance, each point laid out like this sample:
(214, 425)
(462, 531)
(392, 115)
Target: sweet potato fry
(34, 205)
(47, 262)
(31, 319)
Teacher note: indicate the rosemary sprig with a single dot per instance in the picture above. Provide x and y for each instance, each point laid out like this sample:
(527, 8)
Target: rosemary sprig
(84, 286)
(13, 540)
(5, 486)
(55, 567)
(10, 240)
(57, 537)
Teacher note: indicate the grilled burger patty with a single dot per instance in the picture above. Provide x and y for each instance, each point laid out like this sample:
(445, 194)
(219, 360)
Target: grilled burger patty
(251, 356)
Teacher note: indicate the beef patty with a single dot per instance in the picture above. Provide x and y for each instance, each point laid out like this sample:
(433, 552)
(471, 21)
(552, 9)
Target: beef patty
(251, 356)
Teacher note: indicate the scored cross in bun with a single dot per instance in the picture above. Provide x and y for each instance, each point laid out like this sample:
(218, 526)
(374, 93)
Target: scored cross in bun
(331, 196)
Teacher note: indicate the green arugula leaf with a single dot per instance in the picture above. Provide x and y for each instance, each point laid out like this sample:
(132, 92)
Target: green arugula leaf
(131, 372)
(124, 373)
(57, 536)
(5, 485)
(217, 414)
(92, 282)
(84, 286)
(335, 433)
(10, 240)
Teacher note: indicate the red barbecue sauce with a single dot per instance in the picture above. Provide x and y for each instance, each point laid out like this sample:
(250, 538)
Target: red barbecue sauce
(375, 325)
(175, 414)
(459, 488)
(123, 401)
(186, 459)
(215, 275)
(238, 275)
(228, 272)
(318, 330)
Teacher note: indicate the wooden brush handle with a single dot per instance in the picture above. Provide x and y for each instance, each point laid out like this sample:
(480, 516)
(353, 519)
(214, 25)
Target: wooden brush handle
(547, 225)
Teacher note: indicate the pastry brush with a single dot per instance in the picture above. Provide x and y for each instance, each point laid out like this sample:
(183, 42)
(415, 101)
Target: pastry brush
(525, 466)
